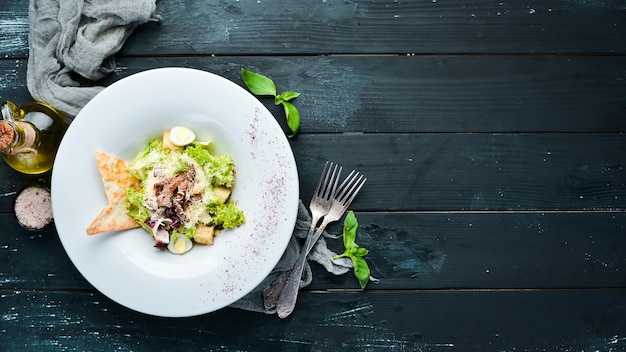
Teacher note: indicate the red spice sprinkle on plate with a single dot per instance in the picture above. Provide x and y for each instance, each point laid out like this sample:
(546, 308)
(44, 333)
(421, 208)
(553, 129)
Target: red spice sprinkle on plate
(33, 208)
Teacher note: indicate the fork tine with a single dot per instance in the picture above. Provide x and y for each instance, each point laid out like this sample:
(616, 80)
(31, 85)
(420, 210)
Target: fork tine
(352, 188)
(328, 186)
(346, 184)
(323, 177)
(355, 192)
(343, 186)
(331, 190)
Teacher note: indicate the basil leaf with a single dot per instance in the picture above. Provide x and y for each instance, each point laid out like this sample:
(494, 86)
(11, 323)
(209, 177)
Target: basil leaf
(257, 83)
(361, 271)
(293, 117)
(352, 250)
(286, 96)
(350, 225)
(361, 252)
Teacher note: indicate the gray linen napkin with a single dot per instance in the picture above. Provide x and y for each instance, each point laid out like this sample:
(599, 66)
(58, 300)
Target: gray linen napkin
(70, 37)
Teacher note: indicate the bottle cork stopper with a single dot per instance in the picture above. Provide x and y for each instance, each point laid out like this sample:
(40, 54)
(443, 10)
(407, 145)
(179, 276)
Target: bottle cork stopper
(7, 134)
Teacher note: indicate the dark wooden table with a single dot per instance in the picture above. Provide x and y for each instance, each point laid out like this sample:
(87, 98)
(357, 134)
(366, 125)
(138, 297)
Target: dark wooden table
(491, 133)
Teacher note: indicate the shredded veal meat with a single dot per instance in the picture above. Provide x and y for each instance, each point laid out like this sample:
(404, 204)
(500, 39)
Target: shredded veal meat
(174, 192)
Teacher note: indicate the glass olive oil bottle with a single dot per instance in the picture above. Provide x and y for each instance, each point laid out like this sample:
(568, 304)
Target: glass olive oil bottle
(30, 135)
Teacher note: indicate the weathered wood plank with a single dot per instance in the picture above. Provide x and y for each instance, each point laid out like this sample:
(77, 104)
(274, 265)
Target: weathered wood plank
(361, 26)
(465, 172)
(408, 251)
(569, 320)
(33, 259)
(487, 250)
(469, 172)
(418, 94)
(14, 33)
(389, 26)
(13, 80)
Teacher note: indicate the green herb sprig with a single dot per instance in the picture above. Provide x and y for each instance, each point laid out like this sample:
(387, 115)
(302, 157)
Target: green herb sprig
(261, 85)
(353, 251)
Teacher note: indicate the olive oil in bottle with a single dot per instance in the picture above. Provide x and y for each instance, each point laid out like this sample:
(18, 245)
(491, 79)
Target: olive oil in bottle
(30, 135)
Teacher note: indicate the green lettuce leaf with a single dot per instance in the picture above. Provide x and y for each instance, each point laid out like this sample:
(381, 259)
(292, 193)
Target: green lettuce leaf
(135, 208)
(146, 159)
(227, 215)
(220, 168)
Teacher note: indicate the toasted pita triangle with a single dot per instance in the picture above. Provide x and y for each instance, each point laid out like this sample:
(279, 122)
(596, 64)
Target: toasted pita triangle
(114, 174)
(116, 180)
(112, 218)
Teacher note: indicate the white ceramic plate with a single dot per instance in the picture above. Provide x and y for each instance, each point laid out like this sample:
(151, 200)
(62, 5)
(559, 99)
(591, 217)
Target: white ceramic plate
(124, 265)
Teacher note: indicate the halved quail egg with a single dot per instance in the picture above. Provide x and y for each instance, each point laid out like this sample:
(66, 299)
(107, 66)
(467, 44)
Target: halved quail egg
(181, 136)
(179, 244)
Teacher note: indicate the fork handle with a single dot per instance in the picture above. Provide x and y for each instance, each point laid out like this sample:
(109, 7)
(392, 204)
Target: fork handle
(287, 299)
(274, 291)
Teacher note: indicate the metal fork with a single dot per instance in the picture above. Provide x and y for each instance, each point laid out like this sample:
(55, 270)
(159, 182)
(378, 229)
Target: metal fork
(323, 197)
(320, 204)
(345, 195)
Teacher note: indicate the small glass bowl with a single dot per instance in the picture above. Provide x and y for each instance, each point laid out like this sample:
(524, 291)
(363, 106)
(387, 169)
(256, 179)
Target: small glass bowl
(33, 207)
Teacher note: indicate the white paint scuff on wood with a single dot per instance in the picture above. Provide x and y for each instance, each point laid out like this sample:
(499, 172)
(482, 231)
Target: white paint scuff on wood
(14, 35)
